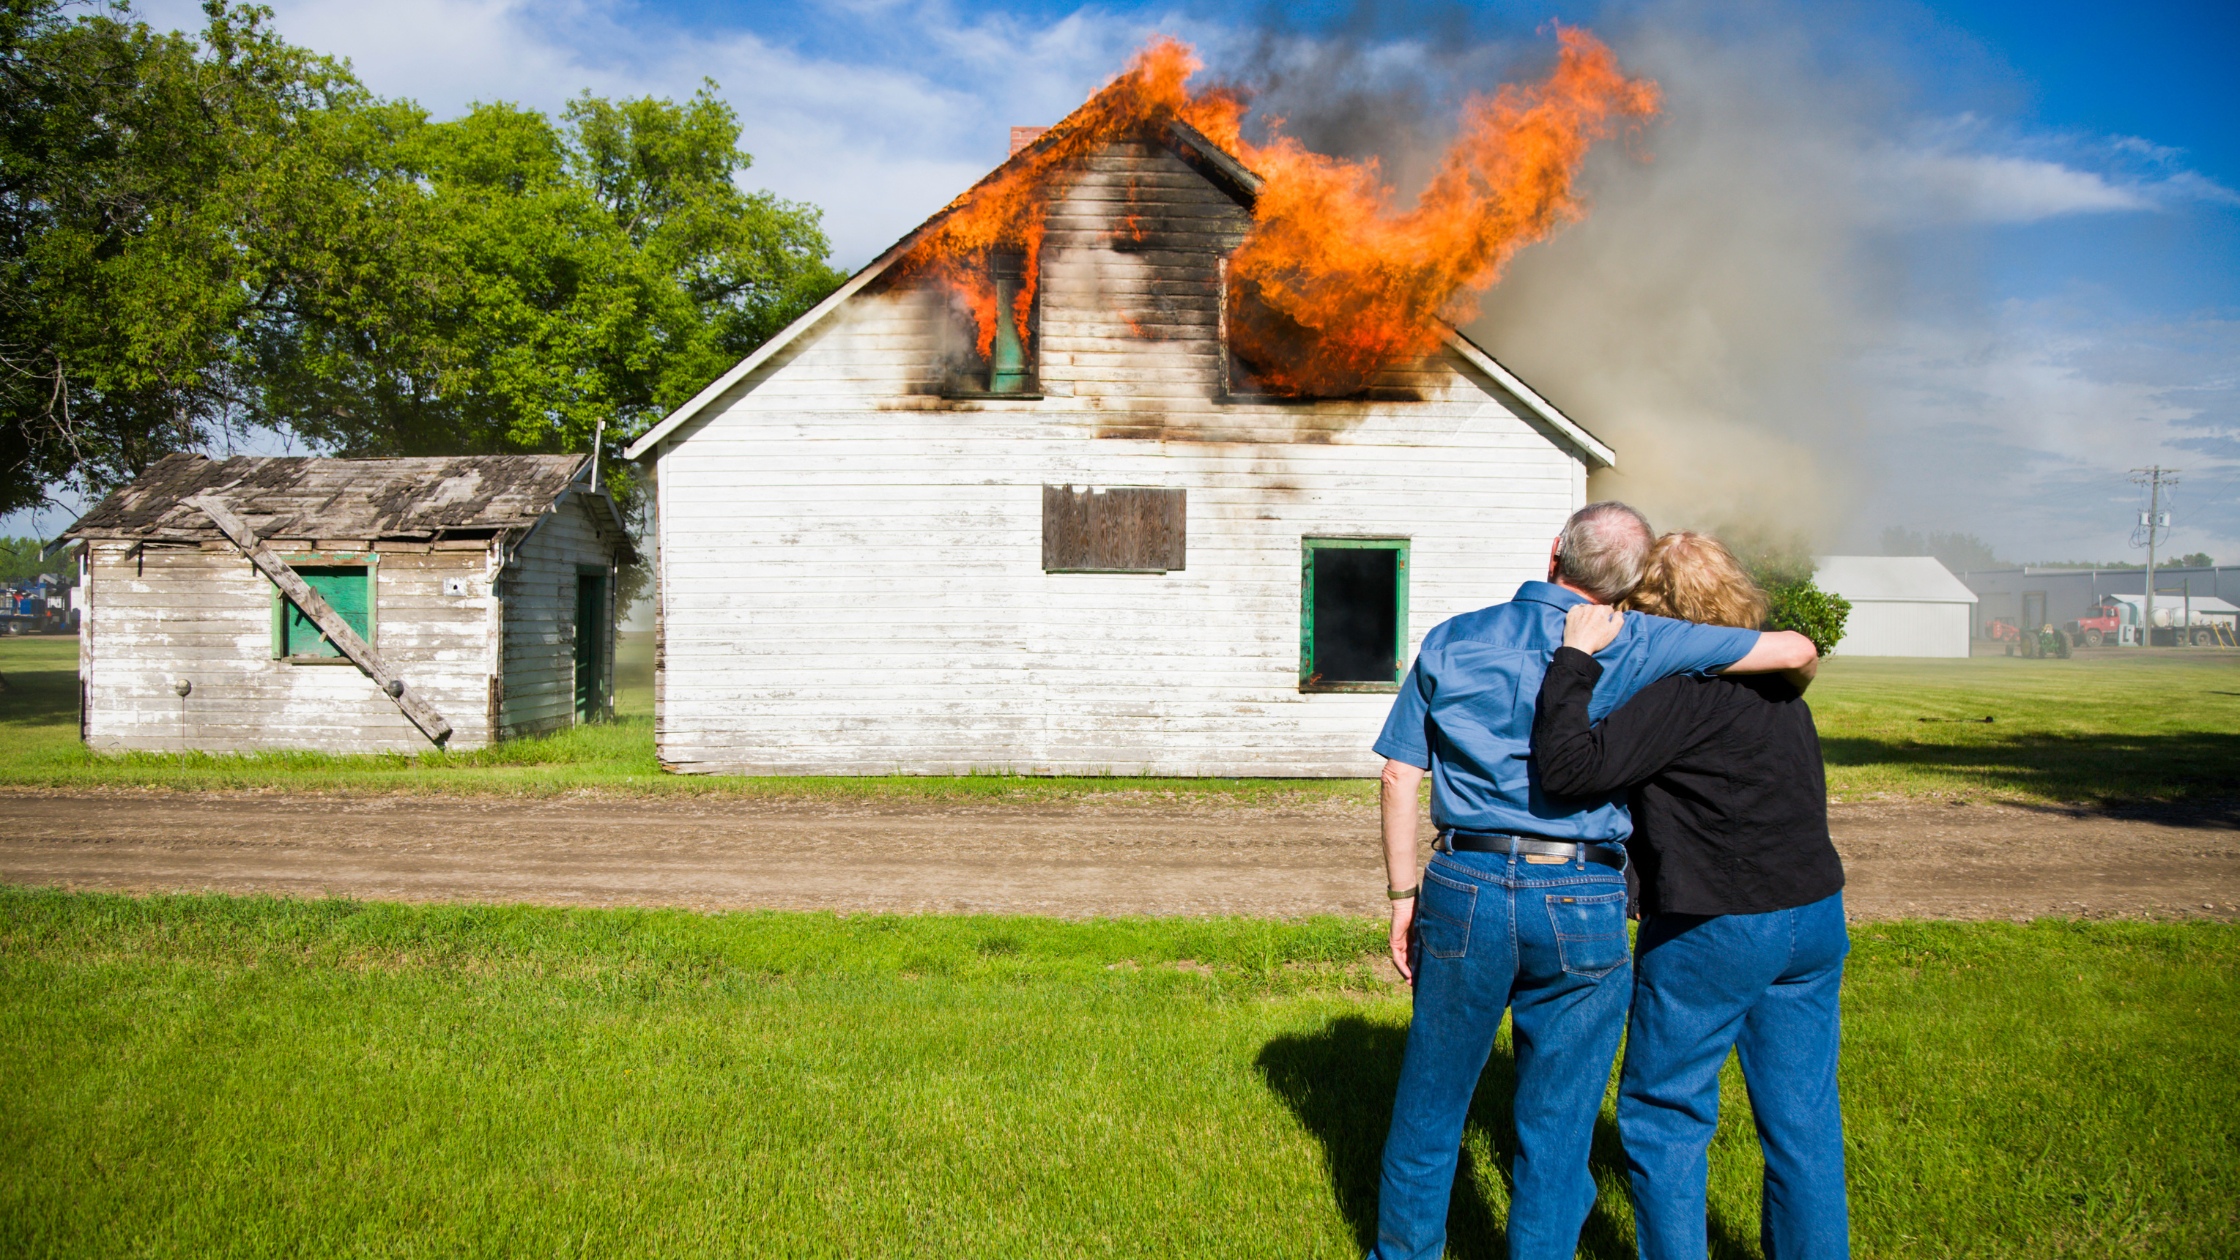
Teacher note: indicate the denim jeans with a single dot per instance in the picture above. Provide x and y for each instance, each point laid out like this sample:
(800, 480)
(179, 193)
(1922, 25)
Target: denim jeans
(1548, 942)
(1765, 985)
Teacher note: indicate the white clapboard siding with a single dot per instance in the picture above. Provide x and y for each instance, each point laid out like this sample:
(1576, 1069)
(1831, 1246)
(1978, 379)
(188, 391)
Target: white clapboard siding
(850, 573)
(164, 614)
(539, 593)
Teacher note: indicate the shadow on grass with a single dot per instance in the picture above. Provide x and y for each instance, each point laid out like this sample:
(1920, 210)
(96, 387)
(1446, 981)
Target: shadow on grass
(2064, 767)
(1340, 1082)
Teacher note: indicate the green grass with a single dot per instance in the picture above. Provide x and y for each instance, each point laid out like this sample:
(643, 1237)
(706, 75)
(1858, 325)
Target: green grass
(212, 1076)
(2159, 725)
(2144, 725)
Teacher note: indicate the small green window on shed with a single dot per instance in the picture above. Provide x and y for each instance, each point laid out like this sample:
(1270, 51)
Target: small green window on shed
(1353, 614)
(347, 588)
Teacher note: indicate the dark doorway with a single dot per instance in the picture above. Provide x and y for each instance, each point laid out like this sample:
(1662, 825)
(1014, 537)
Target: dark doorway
(1355, 614)
(591, 646)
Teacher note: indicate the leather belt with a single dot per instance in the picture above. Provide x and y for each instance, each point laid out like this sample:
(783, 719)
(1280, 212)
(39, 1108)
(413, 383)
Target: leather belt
(1497, 842)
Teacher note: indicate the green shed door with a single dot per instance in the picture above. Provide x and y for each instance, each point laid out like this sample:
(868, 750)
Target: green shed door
(344, 587)
(591, 644)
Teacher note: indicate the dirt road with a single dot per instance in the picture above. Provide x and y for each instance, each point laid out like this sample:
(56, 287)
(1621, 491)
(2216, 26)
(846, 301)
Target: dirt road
(1103, 857)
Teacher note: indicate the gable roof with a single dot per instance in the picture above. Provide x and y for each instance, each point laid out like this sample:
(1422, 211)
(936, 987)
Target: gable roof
(299, 497)
(1891, 579)
(1210, 160)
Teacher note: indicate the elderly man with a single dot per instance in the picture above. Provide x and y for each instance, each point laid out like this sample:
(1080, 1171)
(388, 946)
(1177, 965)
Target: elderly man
(1523, 906)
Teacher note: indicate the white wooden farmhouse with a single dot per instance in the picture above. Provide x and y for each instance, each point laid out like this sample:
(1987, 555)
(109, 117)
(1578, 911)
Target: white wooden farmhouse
(347, 605)
(1094, 549)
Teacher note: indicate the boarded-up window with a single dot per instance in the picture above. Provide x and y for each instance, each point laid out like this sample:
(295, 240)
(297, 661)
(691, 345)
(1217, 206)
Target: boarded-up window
(1111, 529)
(347, 588)
(1353, 614)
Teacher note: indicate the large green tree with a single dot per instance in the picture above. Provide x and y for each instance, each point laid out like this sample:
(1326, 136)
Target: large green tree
(135, 170)
(519, 281)
(215, 234)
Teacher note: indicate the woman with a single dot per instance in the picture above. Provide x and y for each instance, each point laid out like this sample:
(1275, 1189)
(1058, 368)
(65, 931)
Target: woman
(1742, 939)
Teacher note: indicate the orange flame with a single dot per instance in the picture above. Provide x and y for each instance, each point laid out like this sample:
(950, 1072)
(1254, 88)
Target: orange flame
(1332, 284)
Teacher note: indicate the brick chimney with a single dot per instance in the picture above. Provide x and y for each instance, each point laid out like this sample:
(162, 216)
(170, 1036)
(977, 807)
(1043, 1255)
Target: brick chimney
(1021, 137)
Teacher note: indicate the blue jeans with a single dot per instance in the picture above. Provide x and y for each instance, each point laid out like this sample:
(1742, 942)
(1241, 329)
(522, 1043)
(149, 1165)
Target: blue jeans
(1548, 942)
(1766, 985)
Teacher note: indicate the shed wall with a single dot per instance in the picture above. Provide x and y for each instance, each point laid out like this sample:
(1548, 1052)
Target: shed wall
(539, 589)
(205, 615)
(850, 574)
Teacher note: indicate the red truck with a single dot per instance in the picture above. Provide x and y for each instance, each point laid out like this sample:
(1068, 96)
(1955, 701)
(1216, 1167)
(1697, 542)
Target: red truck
(2102, 624)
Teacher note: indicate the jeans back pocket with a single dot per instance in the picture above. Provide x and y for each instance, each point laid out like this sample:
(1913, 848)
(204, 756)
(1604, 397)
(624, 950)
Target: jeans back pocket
(1443, 912)
(1590, 932)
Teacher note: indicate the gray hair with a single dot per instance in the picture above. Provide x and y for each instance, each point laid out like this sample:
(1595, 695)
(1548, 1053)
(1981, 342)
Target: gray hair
(1603, 548)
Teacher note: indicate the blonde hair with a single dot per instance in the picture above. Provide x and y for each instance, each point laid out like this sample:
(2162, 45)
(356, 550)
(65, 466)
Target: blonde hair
(1694, 578)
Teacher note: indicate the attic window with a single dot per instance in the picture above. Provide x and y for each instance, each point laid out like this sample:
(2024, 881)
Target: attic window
(1239, 383)
(1353, 614)
(1112, 529)
(1007, 369)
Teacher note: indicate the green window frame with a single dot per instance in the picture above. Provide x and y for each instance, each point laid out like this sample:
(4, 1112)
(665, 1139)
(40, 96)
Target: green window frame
(1346, 626)
(347, 583)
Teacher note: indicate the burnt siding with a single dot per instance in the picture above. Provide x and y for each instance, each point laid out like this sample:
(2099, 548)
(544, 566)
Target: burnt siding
(851, 573)
(204, 614)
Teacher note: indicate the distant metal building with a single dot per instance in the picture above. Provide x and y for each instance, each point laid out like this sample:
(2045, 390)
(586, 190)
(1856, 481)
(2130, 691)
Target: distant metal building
(2036, 595)
(379, 605)
(1900, 605)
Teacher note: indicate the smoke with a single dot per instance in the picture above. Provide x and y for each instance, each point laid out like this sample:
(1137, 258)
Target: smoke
(1705, 315)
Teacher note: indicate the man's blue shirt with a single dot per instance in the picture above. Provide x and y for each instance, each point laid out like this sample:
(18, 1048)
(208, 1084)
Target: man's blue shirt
(1465, 711)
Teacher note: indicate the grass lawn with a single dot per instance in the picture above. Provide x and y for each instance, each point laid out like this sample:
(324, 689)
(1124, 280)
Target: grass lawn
(213, 1076)
(2146, 725)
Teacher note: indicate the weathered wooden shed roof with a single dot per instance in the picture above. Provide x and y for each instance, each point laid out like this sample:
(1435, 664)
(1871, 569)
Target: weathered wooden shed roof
(299, 497)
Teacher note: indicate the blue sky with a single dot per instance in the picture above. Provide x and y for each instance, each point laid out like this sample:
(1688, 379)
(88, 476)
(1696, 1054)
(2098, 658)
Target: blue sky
(1948, 266)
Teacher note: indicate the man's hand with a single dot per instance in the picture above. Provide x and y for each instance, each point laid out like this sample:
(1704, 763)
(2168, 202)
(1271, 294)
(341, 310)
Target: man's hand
(1591, 627)
(1403, 932)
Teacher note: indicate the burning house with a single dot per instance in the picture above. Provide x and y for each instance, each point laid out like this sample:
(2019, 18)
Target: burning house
(1154, 453)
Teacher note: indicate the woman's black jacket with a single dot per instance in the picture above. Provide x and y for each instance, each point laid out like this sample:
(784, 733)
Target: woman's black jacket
(1729, 801)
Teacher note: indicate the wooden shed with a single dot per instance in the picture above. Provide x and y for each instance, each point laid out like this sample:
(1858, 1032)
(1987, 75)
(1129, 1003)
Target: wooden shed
(1095, 548)
(347, 605)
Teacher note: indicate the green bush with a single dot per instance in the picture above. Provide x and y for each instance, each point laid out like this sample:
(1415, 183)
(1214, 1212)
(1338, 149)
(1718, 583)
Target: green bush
(1802, 606)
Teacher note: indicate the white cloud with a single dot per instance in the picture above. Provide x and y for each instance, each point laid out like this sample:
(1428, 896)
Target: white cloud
(1914, 186)
(2023, 430)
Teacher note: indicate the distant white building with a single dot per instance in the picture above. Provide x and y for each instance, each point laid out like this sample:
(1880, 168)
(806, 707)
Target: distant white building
(1900, 605)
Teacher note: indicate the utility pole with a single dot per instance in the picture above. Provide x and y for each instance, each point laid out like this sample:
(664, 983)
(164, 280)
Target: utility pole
(2154, 478)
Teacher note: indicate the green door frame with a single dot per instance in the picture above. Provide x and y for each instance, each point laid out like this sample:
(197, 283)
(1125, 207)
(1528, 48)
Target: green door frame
(593, 617)
(1307, 547)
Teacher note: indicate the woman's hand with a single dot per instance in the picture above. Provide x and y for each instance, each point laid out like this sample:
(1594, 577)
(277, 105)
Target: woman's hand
(1591, 627)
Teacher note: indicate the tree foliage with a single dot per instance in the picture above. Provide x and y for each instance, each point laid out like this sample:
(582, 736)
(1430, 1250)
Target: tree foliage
(1782, 565)
(1801, 605)
(204, 236)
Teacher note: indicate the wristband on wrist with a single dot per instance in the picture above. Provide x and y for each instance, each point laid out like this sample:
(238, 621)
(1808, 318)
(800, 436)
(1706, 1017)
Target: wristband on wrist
(1402, 894)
